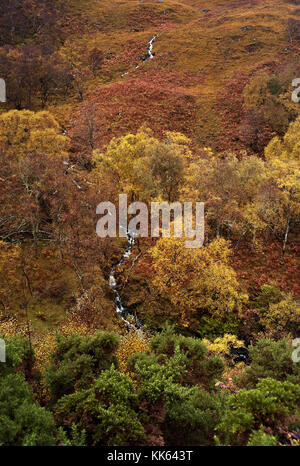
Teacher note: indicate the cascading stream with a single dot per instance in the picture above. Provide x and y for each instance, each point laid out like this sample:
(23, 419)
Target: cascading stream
(123, 313)
(121, 310)
(150, 55)
(146, 57)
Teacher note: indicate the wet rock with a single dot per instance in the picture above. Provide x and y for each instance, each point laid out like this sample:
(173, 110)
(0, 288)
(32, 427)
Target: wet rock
(143, 57)
(240, 355)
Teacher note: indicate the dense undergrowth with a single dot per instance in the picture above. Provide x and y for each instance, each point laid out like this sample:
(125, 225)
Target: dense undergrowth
(173, 381)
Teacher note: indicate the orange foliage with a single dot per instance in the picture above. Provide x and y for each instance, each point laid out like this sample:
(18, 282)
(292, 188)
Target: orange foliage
(255, 269)
(124, 106)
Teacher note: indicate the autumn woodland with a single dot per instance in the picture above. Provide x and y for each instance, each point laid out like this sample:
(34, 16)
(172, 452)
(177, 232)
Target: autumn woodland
(141, 341)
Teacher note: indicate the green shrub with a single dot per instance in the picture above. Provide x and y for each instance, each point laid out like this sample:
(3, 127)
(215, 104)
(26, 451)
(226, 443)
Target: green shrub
(18, 355)
(270, 359)
(22, 421)
(197, 366)
(78, 360)
(106, 412)
(199, 412)
(269, 404)
(269, 294)
(75, 439)
(259, 438)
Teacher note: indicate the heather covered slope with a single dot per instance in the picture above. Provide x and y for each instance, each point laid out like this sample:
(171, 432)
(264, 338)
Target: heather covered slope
(91, 50)
(199, 46)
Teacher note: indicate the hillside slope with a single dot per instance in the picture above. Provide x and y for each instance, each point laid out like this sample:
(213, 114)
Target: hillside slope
(198, 47)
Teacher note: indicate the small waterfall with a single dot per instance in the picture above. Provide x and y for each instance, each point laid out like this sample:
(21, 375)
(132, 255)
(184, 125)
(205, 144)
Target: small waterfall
(148, 56)
(151, 47)
(149, 53)
(121, 310)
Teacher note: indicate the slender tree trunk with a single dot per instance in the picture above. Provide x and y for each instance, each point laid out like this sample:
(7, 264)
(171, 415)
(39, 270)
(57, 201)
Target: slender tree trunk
(28, 329)
(24, 306)
(267, 233)
(27, 281)
(61, 253)
(79, 276)
(253, 241)
(285, 236)
(238, 243)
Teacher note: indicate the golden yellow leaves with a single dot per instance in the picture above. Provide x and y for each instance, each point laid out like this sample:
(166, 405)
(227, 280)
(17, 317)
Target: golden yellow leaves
(284, 157)
(25, 132)
(289, 147)
(144, 165)
(222, 345)
(196, 280)
(130, 345)
(9, 326)
(282, 317)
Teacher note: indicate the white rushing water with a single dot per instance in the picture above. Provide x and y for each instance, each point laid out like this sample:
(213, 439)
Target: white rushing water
(146, 57)
(151, 47)
(121, 310)
(123, 313)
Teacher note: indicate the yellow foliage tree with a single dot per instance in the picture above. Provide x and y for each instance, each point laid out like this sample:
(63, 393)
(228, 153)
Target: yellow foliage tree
(75, 54)
(288, 147)
(145, 166)
(31, 152)
(24, 133)
(228, 187)
(196, 280)
(283, 317)
(283, 157)
(222, 345)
